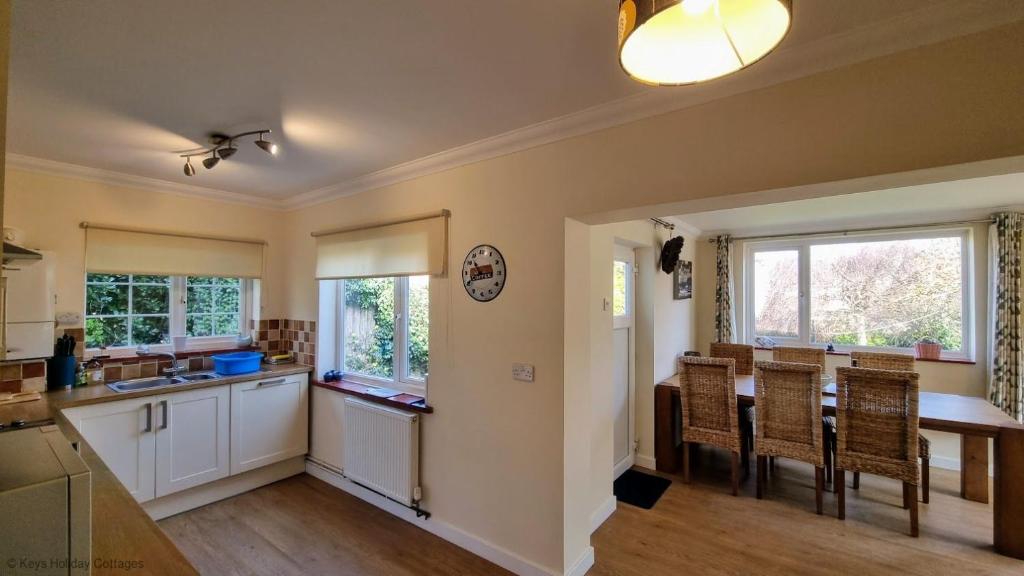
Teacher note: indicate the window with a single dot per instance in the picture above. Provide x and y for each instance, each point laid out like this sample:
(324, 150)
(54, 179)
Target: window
(129, 310)
(384, 329)
(879, 292)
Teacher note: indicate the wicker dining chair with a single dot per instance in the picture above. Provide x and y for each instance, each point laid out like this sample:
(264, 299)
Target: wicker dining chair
(743, 354)
(905, 362)
(788, 400)
(811, 356)
(877, 423)
(707, 389)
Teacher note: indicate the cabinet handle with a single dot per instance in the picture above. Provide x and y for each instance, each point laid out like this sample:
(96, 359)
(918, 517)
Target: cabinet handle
(163, 407)
(149, 418)
(269, 383)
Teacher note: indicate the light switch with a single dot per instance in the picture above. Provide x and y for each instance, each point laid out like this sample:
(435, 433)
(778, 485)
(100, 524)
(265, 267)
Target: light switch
(522, 372)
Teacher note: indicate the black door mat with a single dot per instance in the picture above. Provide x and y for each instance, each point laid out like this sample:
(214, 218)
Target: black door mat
(639, 489)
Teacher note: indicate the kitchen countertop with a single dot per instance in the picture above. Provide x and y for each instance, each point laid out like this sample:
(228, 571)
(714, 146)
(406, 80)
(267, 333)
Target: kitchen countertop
(121, 530)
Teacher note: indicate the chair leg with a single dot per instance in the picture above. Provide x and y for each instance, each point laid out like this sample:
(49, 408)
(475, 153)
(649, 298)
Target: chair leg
(910, 489)
(841, 489)
(819, 486)
(761, 473)
(735, 474)
(827, 449)
(925, 472)
(745, 456)
(856, 480)
(686, 462)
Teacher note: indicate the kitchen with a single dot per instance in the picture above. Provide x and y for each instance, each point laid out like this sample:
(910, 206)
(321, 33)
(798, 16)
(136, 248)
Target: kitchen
(323, 288)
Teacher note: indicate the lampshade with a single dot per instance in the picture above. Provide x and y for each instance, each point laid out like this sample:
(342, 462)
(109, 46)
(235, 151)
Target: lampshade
(674, 42)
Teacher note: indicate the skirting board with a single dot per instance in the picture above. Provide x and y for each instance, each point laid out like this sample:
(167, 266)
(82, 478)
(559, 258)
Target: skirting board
(646, 462)
(224, 488)
(602, 513)
(582, 564)
(954, 464)
(482, 548)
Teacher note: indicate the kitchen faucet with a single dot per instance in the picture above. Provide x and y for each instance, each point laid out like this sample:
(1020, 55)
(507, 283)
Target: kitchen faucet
(143, 352)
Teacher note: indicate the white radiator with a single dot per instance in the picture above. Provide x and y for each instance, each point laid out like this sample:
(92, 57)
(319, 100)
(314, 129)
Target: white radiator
(382, 449)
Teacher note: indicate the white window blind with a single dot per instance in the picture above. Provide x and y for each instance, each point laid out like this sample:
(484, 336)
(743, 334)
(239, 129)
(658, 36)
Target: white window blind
(412, 247)
(123, 251)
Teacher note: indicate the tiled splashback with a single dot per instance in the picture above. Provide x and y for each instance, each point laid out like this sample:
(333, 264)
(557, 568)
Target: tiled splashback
(273, 337)
(282, 336)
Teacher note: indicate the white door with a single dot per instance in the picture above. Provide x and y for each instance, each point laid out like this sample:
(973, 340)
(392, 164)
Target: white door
(269, 421)
(192, 435)
(122, 433)
(623, 283)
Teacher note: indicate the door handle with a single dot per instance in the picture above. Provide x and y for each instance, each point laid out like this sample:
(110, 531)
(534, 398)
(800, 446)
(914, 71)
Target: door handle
(270, 383)
(149, 418)
(163, 408)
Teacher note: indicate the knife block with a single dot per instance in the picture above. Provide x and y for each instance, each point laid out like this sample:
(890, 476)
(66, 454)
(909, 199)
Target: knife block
(60, 372)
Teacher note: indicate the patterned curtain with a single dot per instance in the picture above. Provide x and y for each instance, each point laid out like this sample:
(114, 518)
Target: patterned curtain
(725, 316)
(1006, 376)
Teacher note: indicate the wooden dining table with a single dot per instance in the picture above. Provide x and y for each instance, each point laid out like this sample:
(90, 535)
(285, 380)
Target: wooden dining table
(973, 418)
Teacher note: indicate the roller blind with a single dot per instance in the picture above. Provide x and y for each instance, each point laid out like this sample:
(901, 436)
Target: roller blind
(406, 248)
(122, 251)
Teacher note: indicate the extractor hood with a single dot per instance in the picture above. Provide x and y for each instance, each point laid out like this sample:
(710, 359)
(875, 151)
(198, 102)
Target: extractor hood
(14, 252)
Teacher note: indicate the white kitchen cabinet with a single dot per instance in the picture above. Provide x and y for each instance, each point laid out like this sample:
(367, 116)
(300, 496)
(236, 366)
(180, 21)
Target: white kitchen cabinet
(122, 433)
(192, 434)
(269, 421)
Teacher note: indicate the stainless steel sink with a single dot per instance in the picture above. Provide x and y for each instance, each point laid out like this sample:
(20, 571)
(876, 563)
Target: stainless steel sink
(136, 384)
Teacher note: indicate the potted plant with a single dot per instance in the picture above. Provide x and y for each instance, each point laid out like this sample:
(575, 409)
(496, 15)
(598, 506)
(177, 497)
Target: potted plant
(928, 349)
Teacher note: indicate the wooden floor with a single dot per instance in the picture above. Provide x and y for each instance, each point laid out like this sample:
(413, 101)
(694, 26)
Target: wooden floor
(305, 526)
(701, 529)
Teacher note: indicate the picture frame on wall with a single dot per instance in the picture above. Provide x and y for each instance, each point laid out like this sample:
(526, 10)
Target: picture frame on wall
(682, 280)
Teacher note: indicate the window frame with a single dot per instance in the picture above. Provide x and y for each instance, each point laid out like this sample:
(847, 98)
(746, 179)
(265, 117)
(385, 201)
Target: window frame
(400, 379)
(177, 295)
(803, 248)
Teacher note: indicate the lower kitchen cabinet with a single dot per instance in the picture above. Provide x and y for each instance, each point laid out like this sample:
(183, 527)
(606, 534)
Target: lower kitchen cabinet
(122, 433)
(192, 435)
(160, 445)
(269, 421)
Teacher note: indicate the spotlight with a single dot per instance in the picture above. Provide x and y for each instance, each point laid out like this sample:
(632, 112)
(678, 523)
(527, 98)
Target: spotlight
(228, 152)
(190, 170)
(268, 147)
(211, 161)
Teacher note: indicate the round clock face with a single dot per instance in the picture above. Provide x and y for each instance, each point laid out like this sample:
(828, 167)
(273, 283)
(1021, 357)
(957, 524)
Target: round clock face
(483, 273)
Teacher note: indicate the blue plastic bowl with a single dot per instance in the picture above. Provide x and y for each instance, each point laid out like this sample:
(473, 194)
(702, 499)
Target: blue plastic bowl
(237, 363)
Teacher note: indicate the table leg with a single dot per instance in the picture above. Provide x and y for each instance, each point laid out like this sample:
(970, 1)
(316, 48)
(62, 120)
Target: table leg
(666, 453)
(1008, 508)
(974, 468)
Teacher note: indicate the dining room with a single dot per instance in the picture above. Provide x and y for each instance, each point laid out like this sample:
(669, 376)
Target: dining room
(849, 375)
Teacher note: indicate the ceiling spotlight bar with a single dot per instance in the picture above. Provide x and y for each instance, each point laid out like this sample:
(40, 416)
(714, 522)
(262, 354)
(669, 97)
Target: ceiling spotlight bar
(224, 148)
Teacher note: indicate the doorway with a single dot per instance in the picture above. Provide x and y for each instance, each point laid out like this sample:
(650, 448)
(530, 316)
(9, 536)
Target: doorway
(623, 346)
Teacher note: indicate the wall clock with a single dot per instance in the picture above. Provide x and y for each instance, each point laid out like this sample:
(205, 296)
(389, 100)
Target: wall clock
(484, 273)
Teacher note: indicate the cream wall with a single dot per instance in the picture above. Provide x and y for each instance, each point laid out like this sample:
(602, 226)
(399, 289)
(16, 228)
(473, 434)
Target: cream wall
(493, 463)
(49, 209)
(951, 378)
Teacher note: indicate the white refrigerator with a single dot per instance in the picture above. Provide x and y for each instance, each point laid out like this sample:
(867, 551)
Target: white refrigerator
(31, 305)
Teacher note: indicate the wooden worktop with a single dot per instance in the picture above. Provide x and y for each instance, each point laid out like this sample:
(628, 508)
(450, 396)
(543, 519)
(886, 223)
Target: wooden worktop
(122, 532)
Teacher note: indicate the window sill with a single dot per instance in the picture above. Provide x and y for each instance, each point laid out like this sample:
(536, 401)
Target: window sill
(410, 402)
(940, 360)
(121, 354)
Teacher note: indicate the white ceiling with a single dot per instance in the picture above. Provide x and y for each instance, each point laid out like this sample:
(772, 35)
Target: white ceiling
(957, 200)
(352, 88)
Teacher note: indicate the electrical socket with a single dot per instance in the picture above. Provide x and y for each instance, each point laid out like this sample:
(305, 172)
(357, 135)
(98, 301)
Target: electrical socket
(522, 372)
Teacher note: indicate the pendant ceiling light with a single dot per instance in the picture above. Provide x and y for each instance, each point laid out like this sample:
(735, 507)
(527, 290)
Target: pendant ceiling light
(675, 42)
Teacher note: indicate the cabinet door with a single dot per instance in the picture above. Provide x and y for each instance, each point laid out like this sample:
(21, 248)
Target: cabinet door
(269, 421)
(192, 434)
(121, 433)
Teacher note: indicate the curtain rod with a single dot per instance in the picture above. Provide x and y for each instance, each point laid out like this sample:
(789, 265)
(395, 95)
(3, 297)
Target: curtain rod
(88, 225)
(442, 214)
(663, 223)
(858, 230)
